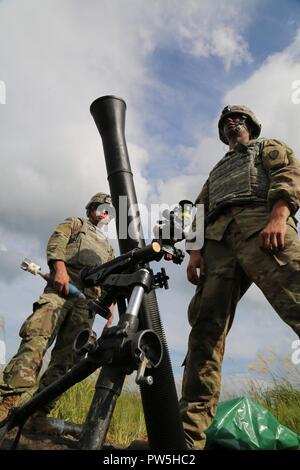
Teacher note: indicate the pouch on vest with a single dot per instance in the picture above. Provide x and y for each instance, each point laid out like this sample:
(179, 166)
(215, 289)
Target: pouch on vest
(92, 249)
(85, 248)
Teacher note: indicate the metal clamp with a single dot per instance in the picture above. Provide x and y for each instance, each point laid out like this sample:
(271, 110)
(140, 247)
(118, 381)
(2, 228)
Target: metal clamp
(141, 379)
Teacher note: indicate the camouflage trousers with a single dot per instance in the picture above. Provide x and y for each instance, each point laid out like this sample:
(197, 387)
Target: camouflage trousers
(231, 266)
(53, 318)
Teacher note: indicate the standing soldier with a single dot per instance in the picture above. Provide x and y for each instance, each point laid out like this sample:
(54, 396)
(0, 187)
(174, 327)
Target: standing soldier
(75, 243)
(250, 199)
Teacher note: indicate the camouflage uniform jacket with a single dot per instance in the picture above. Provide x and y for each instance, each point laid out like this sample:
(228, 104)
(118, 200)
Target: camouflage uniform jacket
(78, 243)
(284, 183)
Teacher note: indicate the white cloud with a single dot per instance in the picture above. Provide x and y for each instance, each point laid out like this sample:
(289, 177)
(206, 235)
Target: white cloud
(230, 47)
(181, 187)
(68, 55)
(2, 247)
(58, 57)
(268, 92)
(204, 28)
(52, 147)
(257, 327)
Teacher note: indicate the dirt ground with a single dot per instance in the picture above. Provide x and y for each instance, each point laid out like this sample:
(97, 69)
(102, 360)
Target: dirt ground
(40, 441)
(35, 441)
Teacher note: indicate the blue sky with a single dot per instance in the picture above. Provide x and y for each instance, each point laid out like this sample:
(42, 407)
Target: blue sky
(176, 64)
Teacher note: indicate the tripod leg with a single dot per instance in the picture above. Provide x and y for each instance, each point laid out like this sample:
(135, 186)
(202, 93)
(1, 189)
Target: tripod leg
(108, 389)
(18, 417)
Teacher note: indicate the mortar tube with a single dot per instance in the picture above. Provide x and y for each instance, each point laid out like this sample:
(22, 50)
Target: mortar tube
(160, 401)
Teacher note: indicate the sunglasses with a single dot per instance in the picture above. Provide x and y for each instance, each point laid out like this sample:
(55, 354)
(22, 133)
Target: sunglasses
(105, 207)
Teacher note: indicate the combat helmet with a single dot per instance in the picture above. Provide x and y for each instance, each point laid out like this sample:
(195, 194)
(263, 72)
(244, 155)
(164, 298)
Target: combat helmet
(98, 198)
(254, 128)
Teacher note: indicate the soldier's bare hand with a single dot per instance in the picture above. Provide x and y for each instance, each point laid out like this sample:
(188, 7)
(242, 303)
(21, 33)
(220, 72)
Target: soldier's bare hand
(196, 262)
(110, 320)
(61, 279)
(271, 238)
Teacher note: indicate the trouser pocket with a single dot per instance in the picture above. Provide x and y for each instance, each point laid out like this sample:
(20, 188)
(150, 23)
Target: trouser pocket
(194, 305)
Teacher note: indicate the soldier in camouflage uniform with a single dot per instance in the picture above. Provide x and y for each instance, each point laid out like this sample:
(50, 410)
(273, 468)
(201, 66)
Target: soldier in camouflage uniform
(250, 199)
(75, 243)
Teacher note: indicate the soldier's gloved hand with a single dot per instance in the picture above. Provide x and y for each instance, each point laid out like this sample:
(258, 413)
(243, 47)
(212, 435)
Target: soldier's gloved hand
(196, 261)
(61, 279)
(271, 238)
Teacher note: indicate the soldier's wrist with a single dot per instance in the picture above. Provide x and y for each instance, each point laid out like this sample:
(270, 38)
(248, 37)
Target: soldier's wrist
(59, 265)
(280, 210)
(196, 252)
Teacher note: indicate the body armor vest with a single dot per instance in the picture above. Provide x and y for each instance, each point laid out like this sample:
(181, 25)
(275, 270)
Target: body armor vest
(88, 247)
(238, 179)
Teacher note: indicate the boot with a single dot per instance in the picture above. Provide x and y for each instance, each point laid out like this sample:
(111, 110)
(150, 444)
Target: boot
(38, 422)
(138, 444)
(9, 402)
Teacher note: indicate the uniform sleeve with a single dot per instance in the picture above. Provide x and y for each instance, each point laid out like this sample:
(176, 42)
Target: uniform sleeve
(283, 169)
(194, 239)
(111, 253)
(57, 243)
(202, 198)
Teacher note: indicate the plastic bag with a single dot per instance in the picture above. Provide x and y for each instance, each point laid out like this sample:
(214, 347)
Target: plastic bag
(242, 424)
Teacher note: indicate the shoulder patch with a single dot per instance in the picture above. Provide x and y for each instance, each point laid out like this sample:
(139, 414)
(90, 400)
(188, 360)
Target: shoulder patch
(274, 154)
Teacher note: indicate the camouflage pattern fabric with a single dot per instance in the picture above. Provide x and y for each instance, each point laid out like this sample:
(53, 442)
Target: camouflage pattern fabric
(233, 261)
(231, 266)
(77, 242)
(283, 171)
(53, 317)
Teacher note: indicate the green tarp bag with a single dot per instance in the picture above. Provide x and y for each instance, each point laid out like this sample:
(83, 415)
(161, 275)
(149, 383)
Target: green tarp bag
(242, 424)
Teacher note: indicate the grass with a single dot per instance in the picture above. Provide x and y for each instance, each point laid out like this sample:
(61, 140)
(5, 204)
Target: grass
(276, 387)
(128, 419)
(127, 422)
(281, 396)
(283, 401)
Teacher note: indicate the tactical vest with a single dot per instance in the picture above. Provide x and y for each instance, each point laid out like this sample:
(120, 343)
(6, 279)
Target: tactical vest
(238, 179)
(88, 246)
